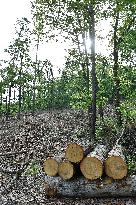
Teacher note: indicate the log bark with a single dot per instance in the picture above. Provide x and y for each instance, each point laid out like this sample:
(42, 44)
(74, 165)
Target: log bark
(74, 153)
(51, 167)
(92, 165)
(66, 170)
(88, 150)
(80, 187)
(115, 165)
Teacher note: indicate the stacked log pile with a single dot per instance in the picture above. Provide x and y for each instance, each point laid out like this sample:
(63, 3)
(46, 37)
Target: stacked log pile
(103, 173)
(92, 166)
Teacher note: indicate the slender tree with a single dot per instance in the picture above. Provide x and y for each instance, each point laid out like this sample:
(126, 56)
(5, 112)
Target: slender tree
(93, 70)
(115, 69)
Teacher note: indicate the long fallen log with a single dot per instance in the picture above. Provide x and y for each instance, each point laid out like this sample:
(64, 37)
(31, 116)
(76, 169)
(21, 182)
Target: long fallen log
(115, 165)
(92, 165)
(80, 187)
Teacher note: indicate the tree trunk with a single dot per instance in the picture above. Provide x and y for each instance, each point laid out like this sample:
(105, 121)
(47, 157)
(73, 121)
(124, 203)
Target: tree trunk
(19, 106)
(92, 114)
(51, 89)
(14, 96)
(35, 74)
(92, 165)
(9, 102)
(115, 165)
(80, 187)
(1, 107)
(7, 108)
(1, 98)
(115, 71)
(20, 86)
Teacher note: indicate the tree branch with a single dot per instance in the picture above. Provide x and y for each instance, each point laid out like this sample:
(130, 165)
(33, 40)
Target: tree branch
(13, 153)
(120, 40)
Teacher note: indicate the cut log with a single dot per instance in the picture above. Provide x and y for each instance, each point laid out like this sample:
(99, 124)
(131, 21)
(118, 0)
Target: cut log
(92, 165)
(74, 153)
(80, 187)
(66, 170)
(51, 167)
(115, 165)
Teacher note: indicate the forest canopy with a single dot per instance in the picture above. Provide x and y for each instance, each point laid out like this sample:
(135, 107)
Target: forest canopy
(90, 79)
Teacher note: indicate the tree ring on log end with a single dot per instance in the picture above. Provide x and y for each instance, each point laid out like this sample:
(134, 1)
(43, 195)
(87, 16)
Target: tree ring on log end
(51, 167)
(66, 170)
(91, 168)
(115, 167)
(74, 153)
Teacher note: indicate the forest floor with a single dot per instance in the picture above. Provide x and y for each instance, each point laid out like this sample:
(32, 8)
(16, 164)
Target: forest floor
(25, 143)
